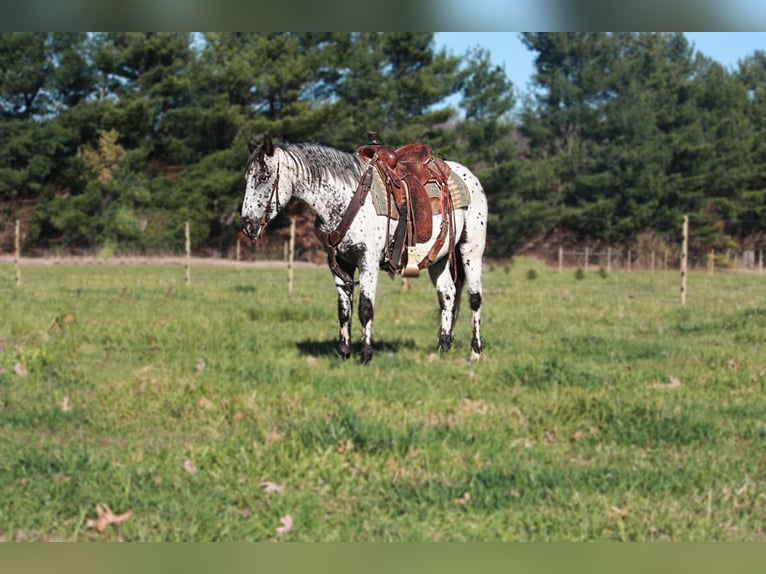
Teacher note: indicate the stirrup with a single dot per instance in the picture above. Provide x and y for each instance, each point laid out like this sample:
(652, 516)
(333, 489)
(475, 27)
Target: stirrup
(411, 269)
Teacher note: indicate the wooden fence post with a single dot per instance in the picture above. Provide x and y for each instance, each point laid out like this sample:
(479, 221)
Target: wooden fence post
(684, 258)
(561, 259)
(291, 257)
(17, 251)
(187, 235)
(609, 259)
(587, 253)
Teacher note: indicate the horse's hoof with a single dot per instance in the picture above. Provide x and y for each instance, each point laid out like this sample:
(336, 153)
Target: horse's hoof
(366, 356)
(344, 351)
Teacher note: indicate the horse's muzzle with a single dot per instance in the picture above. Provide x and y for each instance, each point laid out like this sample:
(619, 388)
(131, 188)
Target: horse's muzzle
(251, 229)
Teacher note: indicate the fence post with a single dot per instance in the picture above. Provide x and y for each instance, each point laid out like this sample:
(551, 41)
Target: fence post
(238, 252)
(187, 266)
(652, 262)
(587, 252)
(609, 259)
(291, 257)
(684, 257)
(628, 259)
(760, 261)
(17, 251)
(711, 261)
(561, 259)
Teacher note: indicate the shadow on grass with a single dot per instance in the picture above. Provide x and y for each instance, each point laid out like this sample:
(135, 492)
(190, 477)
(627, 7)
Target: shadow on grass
(329, 347)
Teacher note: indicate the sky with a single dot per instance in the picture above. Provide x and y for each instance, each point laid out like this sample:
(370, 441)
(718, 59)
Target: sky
(507, 50)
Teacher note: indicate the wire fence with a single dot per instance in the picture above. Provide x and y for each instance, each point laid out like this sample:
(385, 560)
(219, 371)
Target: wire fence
(624, 259)
(283, 245)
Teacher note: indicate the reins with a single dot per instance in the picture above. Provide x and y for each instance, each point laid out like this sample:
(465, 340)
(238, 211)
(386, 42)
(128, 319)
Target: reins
(331, 240)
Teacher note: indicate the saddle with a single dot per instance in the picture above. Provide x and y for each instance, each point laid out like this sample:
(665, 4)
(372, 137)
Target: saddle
(406, 171)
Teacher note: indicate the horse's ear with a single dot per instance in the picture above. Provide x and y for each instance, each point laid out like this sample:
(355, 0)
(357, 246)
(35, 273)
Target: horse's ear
(251, 145)
(268, 145)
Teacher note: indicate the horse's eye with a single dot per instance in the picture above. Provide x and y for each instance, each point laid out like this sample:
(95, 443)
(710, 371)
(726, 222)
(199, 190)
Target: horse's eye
(262, 177)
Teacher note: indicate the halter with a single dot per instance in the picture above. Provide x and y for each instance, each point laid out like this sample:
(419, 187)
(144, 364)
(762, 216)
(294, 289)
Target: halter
(265, 218)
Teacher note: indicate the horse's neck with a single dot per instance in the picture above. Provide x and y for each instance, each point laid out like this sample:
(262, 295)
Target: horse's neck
(328, 198)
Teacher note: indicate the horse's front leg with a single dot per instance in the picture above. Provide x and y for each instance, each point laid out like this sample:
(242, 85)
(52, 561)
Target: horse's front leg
(449, 301)
(345, 311)
(368, 283)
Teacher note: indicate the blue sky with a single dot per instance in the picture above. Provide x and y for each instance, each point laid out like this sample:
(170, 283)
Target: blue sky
(507, 50)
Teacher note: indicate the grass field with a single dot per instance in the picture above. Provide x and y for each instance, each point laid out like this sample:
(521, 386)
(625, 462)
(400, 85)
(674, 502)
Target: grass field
(602, 409)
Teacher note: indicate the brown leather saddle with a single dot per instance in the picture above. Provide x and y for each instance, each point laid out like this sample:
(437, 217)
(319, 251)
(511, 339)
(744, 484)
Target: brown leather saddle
(406, 171)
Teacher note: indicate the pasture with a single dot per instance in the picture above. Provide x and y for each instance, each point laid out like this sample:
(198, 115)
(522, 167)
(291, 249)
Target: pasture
(219, 411)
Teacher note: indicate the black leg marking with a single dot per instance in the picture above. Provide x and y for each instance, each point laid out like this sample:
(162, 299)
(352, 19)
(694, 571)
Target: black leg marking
(365, 317)
(445, 341)
(474, 299)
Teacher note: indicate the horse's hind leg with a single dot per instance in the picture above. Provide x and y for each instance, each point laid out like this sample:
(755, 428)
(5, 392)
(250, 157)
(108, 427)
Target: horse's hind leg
(471, 255)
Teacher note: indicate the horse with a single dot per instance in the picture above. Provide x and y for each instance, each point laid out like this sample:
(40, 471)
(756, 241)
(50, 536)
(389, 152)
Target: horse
(325, 179)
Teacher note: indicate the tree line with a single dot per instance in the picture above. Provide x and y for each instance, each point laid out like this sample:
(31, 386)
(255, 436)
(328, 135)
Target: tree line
(114, 140)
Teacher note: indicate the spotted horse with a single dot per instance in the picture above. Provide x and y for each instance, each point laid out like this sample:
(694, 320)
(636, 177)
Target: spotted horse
(335, 185)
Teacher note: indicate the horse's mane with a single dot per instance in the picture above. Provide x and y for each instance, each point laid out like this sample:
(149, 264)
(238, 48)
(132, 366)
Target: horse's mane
(320, 163)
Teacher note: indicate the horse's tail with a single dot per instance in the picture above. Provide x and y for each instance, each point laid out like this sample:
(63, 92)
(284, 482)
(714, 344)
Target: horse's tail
(459, 281)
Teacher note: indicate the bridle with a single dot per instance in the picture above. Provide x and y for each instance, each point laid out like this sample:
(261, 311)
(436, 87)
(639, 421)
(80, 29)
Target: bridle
(265, 218)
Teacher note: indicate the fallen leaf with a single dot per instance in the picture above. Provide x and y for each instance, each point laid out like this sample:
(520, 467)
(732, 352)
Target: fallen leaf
(143, 371)
(64, 405)
(189, 466)
(345, 446)
(477, 405)
(673, 383)
(201, 365)
(619, 511)
(463, 499)
(550, 437)
(19, 369)
(742, 490)
(312, 360)
(286, 525)
(270, 488)
(106, 517)
(733, 364)
(274, 436)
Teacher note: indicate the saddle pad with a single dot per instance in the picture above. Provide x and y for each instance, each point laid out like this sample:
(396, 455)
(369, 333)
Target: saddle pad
(458, 190)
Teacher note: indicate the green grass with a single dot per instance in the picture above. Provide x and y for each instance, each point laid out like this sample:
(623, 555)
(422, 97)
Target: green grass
(602, 409)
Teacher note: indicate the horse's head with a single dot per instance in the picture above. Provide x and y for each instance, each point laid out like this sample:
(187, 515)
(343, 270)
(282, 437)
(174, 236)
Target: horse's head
(262, 194)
